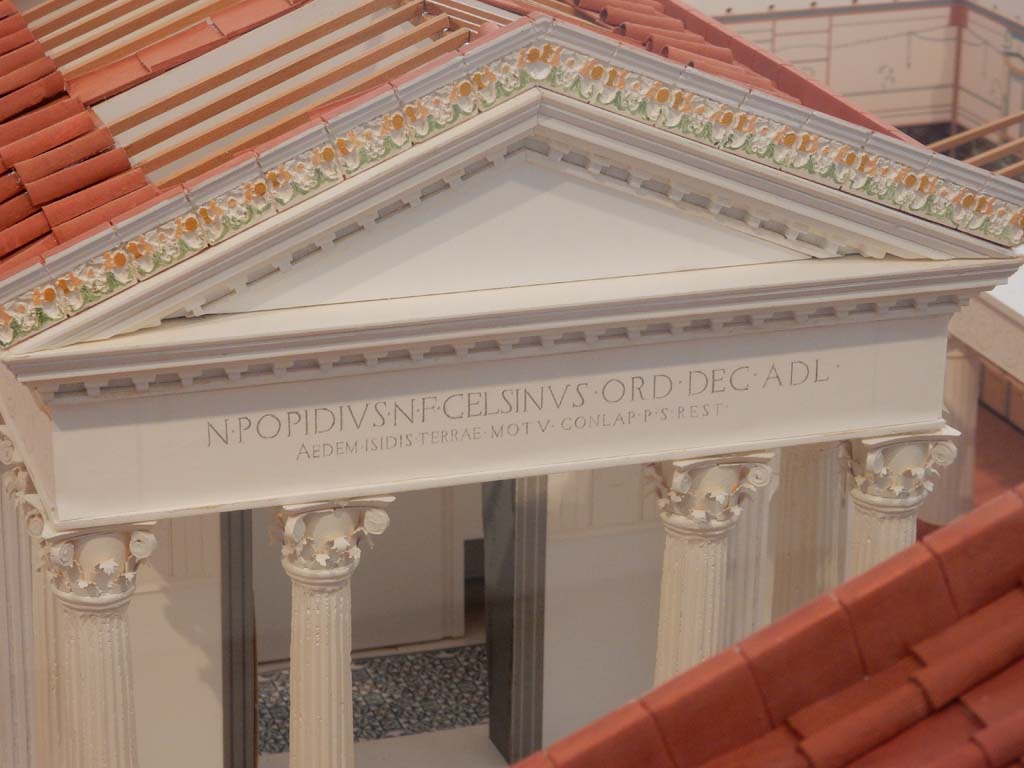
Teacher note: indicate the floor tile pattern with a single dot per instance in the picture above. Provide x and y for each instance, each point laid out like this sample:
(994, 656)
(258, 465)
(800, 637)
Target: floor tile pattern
(393, 695)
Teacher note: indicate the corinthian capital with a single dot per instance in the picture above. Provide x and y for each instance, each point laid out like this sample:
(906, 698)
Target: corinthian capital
(900, 470)
(96, 566)
(708, 495)
(325, 540)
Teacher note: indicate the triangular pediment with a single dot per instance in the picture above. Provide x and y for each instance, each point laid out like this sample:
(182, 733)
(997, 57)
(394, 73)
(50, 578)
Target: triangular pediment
(540, 189)
(526, 222)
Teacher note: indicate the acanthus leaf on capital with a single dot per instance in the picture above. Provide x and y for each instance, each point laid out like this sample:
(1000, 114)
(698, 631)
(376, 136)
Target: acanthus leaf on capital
(329, 536)
(902, 468)
(708, 494)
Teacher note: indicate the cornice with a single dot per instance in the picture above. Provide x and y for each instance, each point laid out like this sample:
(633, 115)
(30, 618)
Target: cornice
(557, 58)
(138, 370)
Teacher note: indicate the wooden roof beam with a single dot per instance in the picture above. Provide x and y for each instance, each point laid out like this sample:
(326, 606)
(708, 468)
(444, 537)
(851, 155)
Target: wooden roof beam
(243, 67)
(263, 110)
(997, 153)
(449, 41)
(156, 35)
(112, 34)
(944, 145)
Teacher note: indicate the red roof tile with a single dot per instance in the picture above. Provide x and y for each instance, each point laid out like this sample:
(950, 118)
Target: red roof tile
(954, 697)
(724, 689)
(181, 47)
(810, 655)
(52, 152)
(892, 610)
(981, 555)
(627, 736)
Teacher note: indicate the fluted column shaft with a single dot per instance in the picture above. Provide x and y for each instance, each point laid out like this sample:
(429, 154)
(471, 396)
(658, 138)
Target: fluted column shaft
(690, 615)
(700, 502)
(892, 477)
(321, 549)
(92, 575)
(321, 671)
(98, 687)
(750, 572)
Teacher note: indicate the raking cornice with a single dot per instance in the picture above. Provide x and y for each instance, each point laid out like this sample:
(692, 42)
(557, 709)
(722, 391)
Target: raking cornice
(544, 55)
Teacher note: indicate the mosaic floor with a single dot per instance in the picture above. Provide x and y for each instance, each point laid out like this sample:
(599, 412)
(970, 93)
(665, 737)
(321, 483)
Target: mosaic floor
(394, 695)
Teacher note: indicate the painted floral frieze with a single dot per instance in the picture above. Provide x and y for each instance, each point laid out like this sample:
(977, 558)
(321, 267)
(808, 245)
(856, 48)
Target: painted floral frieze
(546, 65)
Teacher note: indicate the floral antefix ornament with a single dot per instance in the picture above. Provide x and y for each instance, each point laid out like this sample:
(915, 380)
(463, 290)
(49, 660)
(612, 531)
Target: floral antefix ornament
(330, 535)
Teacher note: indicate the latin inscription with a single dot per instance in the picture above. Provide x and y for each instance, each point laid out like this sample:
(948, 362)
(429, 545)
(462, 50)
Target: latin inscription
(532, 411)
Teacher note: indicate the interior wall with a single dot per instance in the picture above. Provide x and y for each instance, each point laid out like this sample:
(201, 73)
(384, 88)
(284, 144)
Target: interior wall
(604, 555)
(958, 61)
(175, 628)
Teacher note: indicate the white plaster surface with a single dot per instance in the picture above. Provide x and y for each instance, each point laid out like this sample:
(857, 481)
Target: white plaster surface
(883, 375)
(600, 622)
(520, 224)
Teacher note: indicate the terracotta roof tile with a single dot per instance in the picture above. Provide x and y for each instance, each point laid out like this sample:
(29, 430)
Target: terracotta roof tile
(26, 257)
(966, 755)
(19, 57)
(866, 727)
(824, 712)
(984, 621)
(249, 15)
(23, 233)
(778, 749)
(110, 80)
(104, 213)
(181, 47)
(627, 736)
(892, 610)
(810, 654)
(955, 674)
(11, 24)
(92, 143)
(55, 147)
(78, 177)
(82, 202)
(981, 555)
(15, 40)
(957, 701)
(999, 696)
(9, 186)
(1003, 742)
(48, 138)
(30, 95)
(38, 119)
(721, 690)
(26, 74)
(16, 209)
(928, 739)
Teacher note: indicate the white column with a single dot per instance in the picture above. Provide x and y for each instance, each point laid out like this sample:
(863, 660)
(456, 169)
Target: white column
(750, 569)
(17, 656)
(321, 548)
(700, 501)
(954, 490)
(809, 524)
(892, 476)
(92, 574)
